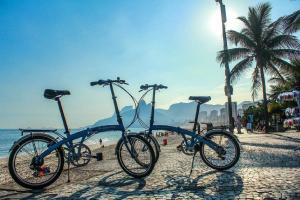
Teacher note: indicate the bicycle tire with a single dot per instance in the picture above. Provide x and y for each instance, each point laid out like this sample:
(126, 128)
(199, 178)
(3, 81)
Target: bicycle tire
(235, 144)
(153, 142)
(12, 156)
(133, 139)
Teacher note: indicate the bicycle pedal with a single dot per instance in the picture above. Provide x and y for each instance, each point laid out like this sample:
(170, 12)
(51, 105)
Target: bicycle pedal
(98, 156)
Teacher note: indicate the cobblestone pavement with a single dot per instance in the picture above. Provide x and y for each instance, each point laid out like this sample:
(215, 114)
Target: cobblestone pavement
(269, 169)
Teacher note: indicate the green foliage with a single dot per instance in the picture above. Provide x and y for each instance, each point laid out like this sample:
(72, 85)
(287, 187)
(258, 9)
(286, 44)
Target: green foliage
(291, 80)
(256, 111)
(264, 47)
(261, 45)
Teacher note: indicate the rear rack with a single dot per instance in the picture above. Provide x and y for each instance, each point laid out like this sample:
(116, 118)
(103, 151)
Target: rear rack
(37, 130)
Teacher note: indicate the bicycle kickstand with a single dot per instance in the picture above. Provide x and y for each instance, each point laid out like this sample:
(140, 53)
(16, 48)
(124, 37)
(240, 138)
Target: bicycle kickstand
(68, 171)
(192, 164)
(196, 149)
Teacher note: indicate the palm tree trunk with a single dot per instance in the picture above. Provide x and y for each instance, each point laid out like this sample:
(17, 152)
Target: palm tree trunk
(265, 103)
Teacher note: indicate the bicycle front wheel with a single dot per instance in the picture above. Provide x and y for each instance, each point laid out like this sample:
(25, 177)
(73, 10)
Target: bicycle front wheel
(224, 159)
(135, 156)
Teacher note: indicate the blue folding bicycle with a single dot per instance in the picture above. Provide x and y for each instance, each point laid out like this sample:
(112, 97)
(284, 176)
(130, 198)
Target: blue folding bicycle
(218, 148)
(37, 159)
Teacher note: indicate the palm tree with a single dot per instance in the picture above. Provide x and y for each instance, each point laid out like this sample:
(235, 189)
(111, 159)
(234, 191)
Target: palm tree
(262, 46)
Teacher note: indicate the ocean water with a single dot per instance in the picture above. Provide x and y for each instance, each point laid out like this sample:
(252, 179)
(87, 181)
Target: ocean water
(9, 136)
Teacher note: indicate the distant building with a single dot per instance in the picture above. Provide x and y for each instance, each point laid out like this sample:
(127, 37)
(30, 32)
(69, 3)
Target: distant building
(234, 110)
(213, 116)
(203, 116)
(247, 105)
(240, 112)
(223, 116)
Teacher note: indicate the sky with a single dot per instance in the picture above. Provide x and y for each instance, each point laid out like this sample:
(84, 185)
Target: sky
(67, 44)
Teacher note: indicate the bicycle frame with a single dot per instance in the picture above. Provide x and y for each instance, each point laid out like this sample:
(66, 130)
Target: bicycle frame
(68, 140)
(195, 138)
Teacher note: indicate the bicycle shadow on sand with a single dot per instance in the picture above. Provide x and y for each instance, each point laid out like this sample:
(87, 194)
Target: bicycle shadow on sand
(118, 186)
(209, 184)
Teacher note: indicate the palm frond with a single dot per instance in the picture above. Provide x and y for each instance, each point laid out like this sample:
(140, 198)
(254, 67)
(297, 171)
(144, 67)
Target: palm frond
(240, 68)
(233, 54)
(291, 23)
(253, 18)
(276, 80)
(248, 28)
(240, 38)
(245, 21)
(271, 31)
(286, 53)
(264, 11)
(273, 71)
(283, 41)
(280, 63)
(275, 90)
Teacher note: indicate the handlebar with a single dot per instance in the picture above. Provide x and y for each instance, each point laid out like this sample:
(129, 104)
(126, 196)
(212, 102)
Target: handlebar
(108, 81)
(155, 87)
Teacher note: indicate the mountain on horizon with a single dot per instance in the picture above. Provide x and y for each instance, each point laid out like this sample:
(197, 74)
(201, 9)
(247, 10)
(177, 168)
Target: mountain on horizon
(177, 114)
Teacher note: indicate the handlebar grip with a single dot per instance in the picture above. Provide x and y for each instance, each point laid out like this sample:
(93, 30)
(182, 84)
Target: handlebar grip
(144, 87)
(94, 83)
(161, 87)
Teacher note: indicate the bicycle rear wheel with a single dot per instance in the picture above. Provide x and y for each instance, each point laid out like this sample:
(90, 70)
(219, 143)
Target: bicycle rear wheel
(25, 171)
(153, 142)
(224, 159)
(138, 160)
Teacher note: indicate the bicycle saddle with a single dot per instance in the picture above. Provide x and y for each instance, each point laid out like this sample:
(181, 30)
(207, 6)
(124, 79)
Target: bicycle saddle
(52, 94)
(200, 99)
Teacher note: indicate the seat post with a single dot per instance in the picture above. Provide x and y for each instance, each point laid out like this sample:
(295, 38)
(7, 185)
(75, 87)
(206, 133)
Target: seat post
(62, 115)
(196, 116)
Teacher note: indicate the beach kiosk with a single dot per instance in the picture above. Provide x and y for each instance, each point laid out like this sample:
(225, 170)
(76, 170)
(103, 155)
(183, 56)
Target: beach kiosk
(293, 114)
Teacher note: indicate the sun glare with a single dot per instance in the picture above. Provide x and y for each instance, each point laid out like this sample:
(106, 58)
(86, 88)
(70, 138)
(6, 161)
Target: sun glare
(214, 21)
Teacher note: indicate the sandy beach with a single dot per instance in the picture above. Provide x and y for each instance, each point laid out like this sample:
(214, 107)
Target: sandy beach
(108, 163)
(107, 151)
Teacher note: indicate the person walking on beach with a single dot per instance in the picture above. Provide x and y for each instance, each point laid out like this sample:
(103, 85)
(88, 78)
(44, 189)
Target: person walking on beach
(100, 141)
(238, 124)
(250, 123)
